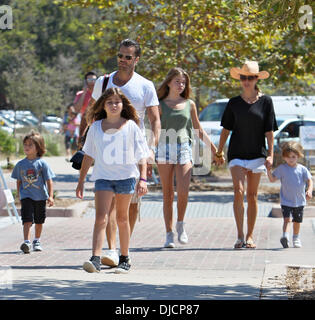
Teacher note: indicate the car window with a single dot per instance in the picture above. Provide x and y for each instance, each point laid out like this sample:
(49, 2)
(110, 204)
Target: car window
(293, 128)
(213, 112)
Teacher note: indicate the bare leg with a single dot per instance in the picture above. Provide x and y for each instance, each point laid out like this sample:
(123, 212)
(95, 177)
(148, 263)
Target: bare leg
(103, 200)
(286, 225)
(166, 172)
(111, 227)
(253, 180)
(27, 230)
(38, 230)
(122, 213)
(183, 176)
(238, 177)
(296, 228)
(133, 214)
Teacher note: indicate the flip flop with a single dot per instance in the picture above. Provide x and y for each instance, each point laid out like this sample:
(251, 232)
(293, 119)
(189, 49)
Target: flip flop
(250, 244)
(239, 244)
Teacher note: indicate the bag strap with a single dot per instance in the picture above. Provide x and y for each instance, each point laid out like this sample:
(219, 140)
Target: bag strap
(105, 82)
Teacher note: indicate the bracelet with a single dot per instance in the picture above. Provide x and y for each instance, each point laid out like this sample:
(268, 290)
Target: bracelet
(142, 179)
(219, 154)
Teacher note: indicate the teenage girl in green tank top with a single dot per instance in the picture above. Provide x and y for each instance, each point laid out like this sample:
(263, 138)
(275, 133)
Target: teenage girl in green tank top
(174, 156)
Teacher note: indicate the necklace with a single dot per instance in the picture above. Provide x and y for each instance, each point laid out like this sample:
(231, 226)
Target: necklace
(251, 100)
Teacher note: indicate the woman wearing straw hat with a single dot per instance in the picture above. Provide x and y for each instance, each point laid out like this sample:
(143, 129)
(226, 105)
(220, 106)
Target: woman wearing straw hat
(251, 118)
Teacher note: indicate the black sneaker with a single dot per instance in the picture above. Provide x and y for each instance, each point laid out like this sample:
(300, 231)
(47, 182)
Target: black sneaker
(93, 265)
(26, 247)
(124, 265)
(285, 242)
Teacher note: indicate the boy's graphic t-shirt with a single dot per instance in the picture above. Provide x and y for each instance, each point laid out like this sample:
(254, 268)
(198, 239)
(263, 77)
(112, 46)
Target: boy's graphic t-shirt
(33, 175)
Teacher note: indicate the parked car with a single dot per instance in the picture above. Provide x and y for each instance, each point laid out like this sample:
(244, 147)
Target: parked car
(289, 130)
(291, 111)
(5, 126)
(52, 124)
(286, 107)
(210, 119)
(25, 119)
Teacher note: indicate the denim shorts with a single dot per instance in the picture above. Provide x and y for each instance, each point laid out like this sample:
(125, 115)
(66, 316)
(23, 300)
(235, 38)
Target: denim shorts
(175, 153)
(126, 186)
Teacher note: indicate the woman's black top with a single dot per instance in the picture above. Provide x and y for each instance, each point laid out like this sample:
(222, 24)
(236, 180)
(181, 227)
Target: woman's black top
(248, 123)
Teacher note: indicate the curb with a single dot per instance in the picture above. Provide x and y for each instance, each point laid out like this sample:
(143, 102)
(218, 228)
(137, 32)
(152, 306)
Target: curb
(309, 211)
(75, 210)
(273, 283)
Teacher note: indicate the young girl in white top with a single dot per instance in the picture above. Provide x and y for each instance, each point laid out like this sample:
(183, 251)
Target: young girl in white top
(116, 145)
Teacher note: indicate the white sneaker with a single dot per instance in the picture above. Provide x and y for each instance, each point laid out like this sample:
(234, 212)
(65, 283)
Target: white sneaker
(297, 243)
(111, 258)
(169, 243)
(182, 235)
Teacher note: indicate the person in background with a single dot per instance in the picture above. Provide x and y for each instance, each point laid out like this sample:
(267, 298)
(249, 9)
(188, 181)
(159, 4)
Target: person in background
(83, 97)
(71, 123)
(294, 179)
(251, 118)
(34, 188)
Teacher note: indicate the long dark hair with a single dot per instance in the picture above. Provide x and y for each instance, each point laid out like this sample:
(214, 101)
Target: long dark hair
(97, 112)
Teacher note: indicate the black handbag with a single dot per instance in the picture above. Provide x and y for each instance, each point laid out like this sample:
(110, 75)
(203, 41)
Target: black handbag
(77, 158)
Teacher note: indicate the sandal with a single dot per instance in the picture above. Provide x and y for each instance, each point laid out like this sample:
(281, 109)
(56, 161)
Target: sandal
(250, 244)
(239, 244)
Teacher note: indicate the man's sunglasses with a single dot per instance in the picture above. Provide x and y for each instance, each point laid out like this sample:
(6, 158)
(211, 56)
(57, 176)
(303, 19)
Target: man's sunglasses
(249, 78)
(120, 56)
(91, 80)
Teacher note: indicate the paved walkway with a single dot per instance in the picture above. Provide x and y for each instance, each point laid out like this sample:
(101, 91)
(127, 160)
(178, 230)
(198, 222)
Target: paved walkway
(205, 269)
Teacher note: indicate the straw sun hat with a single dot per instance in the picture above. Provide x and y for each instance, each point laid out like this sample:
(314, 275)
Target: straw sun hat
(250, 68)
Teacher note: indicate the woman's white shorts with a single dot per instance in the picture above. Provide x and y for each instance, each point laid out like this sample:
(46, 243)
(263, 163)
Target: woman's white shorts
(254, 165)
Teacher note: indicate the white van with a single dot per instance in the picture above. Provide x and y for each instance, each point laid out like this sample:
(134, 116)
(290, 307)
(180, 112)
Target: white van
(286, 107)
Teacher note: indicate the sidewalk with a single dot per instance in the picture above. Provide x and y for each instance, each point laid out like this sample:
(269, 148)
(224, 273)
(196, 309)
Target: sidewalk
(205, 269)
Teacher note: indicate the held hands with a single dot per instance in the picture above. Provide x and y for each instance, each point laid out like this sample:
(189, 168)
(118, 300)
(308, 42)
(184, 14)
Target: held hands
(218, 158)
(268, 163)
(142, 188)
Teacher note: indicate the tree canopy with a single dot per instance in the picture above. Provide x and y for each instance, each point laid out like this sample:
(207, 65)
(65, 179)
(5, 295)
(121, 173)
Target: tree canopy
(53, 43)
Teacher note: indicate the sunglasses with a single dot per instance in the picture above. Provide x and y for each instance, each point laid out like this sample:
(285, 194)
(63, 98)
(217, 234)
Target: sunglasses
(249, 78)
(120, 56)
(90, 80)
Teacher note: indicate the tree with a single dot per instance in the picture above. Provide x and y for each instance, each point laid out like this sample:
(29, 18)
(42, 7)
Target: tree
(44, 57)
(7, 146)
(207, 37)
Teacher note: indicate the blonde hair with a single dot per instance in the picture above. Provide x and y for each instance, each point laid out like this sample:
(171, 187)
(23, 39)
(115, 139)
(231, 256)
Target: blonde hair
(163, 90)
(97, 112)
(38, 140)
(292, 146)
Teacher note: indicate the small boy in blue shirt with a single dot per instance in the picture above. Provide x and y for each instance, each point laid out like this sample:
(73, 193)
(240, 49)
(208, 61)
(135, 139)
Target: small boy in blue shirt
(32, 173)
(294, 179)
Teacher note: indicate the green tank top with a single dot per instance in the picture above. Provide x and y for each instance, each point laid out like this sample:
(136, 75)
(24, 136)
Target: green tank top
(176, 124)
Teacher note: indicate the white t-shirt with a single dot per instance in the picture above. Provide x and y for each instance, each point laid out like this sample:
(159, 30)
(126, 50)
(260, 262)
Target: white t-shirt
(116, 152)
(139, 90)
